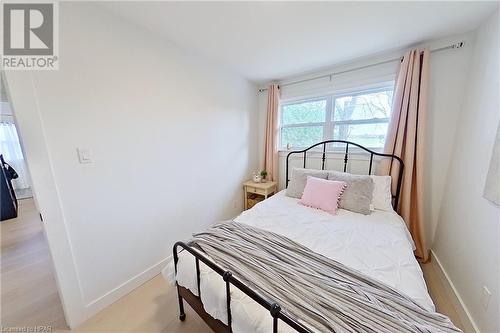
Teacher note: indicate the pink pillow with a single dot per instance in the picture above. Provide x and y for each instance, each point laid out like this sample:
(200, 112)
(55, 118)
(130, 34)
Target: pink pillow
(322, 194)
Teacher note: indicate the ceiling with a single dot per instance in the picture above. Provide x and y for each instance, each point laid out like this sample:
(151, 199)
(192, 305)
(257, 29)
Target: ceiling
(270, 40)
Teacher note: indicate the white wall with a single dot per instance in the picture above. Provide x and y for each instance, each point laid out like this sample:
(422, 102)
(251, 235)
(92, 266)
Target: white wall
(447, 82)
(172, 139)
(468, 234)
(448, 75)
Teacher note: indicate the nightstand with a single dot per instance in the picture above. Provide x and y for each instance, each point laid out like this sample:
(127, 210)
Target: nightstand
(256, 192)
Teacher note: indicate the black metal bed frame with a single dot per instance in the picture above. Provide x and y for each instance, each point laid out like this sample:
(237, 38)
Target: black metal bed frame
(372, 153)
(229, 279)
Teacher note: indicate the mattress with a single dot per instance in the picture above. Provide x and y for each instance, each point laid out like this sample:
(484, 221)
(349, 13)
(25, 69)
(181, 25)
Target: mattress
(378, 245)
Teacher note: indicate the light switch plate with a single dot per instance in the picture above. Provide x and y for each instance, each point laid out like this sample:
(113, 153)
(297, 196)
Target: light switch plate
(84, 155)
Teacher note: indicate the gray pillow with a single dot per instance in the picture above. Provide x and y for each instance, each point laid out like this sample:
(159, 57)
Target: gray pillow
(299, 179)
(357, 197)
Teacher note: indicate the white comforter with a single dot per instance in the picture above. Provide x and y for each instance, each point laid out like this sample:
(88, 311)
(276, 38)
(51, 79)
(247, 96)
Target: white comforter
(378, 245)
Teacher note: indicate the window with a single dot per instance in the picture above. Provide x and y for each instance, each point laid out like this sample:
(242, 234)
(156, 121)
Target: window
(303, 123)
(361, 117)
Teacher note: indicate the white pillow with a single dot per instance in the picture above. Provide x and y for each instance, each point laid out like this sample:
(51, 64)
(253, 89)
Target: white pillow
(382, 197)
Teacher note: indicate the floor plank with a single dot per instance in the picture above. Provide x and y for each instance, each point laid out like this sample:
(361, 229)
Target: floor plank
(150, 308)
(439, 296)
(29, 295)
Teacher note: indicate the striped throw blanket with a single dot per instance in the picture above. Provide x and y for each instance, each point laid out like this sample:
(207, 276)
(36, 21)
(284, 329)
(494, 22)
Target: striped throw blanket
(321, 293)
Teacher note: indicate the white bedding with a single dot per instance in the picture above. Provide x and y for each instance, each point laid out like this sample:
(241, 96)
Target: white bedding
(378, 245)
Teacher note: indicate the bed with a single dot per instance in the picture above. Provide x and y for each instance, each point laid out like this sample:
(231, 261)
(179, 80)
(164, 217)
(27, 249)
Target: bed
(377, 245)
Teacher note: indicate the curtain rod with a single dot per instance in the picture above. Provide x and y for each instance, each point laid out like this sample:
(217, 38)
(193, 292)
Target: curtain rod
(453, 46)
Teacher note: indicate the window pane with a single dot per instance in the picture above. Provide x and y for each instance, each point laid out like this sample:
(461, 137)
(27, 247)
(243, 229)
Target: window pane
(363, 106)
(301, 137)
(304, 112)
(367, 135)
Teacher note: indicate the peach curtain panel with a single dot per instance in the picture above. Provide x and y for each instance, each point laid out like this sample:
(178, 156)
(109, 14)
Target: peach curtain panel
(406, 139)
(272, 128)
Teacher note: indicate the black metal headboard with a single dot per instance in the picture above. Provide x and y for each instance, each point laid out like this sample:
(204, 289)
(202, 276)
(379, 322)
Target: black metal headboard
(395, 196)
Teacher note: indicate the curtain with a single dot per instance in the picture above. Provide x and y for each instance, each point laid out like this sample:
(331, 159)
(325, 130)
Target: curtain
(272, 128)
(406, 139)
(10, 147)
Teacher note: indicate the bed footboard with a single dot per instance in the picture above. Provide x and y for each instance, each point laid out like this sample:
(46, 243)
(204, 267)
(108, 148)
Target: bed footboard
(231, 281)
(195, 302)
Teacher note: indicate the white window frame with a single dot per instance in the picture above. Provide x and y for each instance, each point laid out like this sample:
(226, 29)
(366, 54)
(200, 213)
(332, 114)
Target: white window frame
(329, 123)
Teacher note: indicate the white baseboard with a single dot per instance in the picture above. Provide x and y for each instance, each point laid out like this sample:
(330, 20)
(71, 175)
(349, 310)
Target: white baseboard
(457, 302)
(115, 294)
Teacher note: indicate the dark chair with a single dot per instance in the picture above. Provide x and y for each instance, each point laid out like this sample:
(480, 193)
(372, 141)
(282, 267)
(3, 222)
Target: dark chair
(8, 208)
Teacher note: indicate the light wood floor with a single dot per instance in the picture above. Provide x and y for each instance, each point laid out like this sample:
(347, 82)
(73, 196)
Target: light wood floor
(153, 308)
(438, 294)
(29, 295)
(150, 308)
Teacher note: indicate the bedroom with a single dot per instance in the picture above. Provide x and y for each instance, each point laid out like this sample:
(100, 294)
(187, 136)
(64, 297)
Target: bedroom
(157, 113)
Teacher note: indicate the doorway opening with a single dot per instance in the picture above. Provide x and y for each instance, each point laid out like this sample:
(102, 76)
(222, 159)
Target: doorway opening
(29, 293)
